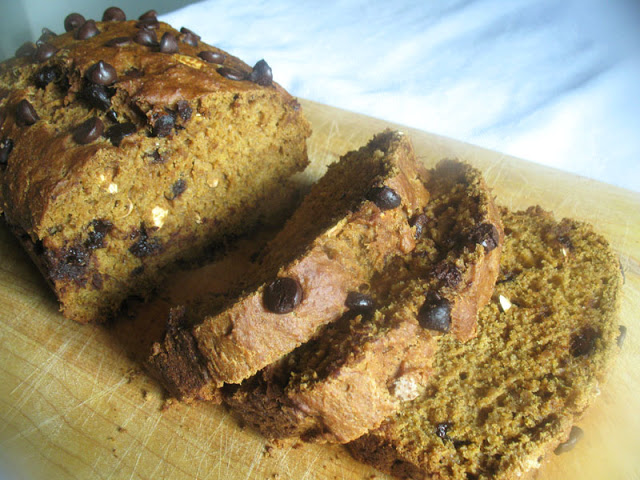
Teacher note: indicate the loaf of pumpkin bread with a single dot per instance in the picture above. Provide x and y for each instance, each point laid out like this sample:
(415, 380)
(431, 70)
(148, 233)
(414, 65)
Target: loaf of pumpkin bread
(497, 405)
(127, 145)
(355, 220)
(361, 369)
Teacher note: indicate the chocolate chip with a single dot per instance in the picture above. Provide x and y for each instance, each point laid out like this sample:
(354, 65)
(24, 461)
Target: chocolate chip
(44, 52)
(448, 274)
(584, 342)
(622, 336)
(212, 57)
(27, 49)
(485, 234)
(119, 42)
(98, 230)
(116, 133)
(146, 37)
(46, 75)
(88, 131)
(25, 113)
(442, 429)
(101, 73)
(163, 125)
(435, 313)
(88, 30)
(184, 110)
(168, 43)
(68, 263)
(72, 21)
(384, 197)
(134, 73)
(178, 188)
(113, 14)
(261, 74)
(46, 36)
(232, 74)
(575, 435)
(420, 223)
(360, 302)
(149, 14)
(97, 96)
(282, 295)
(189, 37)
(112, 116)
(156, 158)
(6, 145)
(148, 24)
(145, 246)
(3, 116)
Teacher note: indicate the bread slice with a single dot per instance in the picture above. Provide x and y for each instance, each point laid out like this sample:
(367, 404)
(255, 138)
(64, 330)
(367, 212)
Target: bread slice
(498, 404)
(361, 369)
(124, 149)
(348, 228)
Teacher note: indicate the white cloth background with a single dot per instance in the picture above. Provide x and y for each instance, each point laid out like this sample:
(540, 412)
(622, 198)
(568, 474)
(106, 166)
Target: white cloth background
(555, 82)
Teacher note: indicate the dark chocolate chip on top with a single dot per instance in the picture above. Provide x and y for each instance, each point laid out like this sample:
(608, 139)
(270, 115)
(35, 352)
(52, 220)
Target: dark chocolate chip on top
(88, 131)
(44, 52)
(282, 295)
(25, 113)
(575, 435)
(212, 57)
(232, 74)
(73, 21)
(27, 49)
(87, 30)
(113, 14)
(384, 197)
(149, 14)
(146, 37)
(101, 73)
(118, 132)
(168, 43)
(261, 74)
(119, 42)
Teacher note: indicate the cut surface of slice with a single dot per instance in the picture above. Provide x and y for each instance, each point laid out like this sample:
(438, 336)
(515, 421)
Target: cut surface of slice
(498, 404)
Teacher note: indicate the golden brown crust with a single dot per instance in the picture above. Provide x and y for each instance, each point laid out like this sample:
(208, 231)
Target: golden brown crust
(342, 256)
(169, 170)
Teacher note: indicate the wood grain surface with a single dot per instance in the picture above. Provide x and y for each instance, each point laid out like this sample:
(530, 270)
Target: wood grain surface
(76, 404)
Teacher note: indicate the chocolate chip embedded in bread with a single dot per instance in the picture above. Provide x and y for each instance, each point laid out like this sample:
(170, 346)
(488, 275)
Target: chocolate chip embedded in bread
(359, 302)
(163, 124)
(584, 341)
(177, 189)
(435, 313)
(212, 57)
(112, 116)
(442, 429)
(118, 42)
(282, 295)
(232, 74)
(146, 37)
(145, 246)
(621, 336)
(98, 230)
(261, 74)
(6, 145)
(419, 222)
(73, 21)
(27, 49)
(384, 197)
(486, 234)
(574, 437)
(116, 133)
(168, 43)
(88, 131)
(46, 75)
(44, 52)
(25, 113)
(46, 36)
(184, 110)
(448, 274)
(101, 73)
(88, 30)
(113, 14)
(97, 96)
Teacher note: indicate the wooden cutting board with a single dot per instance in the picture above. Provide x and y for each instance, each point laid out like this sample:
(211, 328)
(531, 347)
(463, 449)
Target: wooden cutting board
(76, 404)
